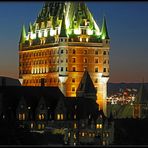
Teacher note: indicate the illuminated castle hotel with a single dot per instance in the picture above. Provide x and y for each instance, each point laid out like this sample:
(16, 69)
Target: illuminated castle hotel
(60, 45)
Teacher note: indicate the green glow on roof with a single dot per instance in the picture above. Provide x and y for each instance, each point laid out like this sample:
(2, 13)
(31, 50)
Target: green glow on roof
(23, 35)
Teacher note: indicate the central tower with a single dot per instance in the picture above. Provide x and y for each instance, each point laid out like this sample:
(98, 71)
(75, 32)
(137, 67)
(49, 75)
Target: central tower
(60, 45)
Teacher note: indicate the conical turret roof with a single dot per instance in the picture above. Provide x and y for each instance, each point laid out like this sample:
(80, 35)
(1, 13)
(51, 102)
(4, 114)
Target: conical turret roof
(23, 35)
(104, 32)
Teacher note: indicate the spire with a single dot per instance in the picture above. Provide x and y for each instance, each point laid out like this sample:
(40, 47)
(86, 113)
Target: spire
(104, 33)
(63, 28)
(23, 35)
(30, 28)
(86, 86)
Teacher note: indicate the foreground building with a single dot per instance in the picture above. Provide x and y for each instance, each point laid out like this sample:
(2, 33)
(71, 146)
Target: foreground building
(60, 45)
(46, 109)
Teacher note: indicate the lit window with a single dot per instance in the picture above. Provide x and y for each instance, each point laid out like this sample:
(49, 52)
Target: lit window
(107, 134)
(75, 116)
(75, 106)
(97, 126)
(31, 125)
(89, 134)
(39, 126)
(69, 134)
(85, 60)
(43, 126)
(61, 116)
(83, 134)
(40, 117)
(58, 116)
(103, 142)
(85, 51)
(74, 135)
(75, 125)
(100, 125)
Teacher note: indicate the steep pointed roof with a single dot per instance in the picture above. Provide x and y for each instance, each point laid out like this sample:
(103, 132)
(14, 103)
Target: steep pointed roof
(142, 96)
(104, 32)
(54, 9)
(23, 35)
(75, 15)
(86, 85)
(63, 28)
(30, 28)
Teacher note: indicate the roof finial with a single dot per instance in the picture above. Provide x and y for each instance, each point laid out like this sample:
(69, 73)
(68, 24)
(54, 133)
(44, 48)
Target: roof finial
(104, 32)
(23, 35)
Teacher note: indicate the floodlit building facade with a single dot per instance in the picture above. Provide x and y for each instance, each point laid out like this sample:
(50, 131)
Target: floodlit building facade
(60, 45)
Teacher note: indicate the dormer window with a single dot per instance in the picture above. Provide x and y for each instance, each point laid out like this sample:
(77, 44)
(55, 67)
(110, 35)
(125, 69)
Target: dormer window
(60, 116)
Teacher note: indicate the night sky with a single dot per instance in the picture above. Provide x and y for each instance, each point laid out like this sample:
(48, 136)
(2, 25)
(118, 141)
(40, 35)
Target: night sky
(127, 24)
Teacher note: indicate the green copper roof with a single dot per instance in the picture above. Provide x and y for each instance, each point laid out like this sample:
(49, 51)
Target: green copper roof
(76, 14)
(23, 35)
(104, 32)
(70, 18)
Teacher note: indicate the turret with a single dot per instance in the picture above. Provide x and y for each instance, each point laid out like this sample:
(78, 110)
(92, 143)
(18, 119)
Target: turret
(104, 32)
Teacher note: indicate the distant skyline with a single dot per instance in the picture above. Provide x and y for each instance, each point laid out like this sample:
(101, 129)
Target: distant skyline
(127, 24)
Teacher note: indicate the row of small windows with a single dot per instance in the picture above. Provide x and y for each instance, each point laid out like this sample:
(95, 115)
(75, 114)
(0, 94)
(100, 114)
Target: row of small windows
(104, 69)
(51, 80)
(96, 60)
(60, 51)
(55, 69)
(53, 60)
(90, 134)
(35, 54)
